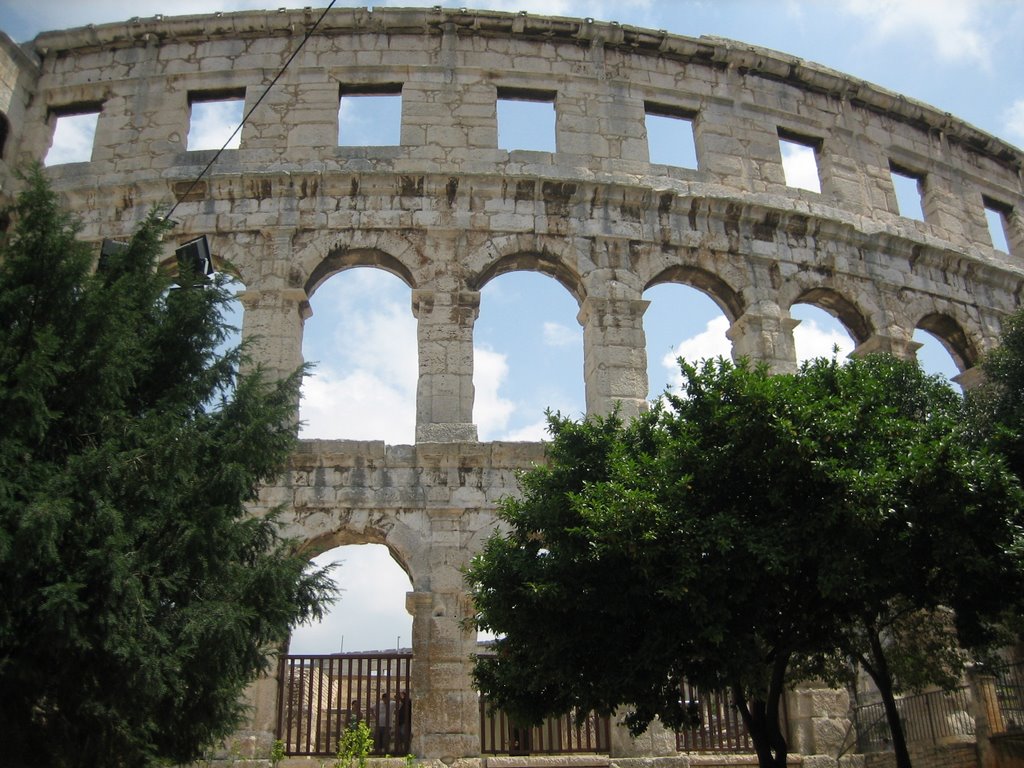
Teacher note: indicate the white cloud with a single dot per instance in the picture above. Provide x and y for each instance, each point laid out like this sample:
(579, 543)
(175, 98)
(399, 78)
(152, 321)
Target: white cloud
(491, 411)
(558, 335)
(954, 27)
(532, 433)
(1013, 119)
(73, 138)
(709, 343)
(813, 340)
(800, 166)
(357, 406)
(212, 123)
(370, 613)
(362, 337)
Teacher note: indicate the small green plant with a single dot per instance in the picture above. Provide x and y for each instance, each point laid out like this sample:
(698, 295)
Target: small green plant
(277, 753)
(354, 746)
(410, 760)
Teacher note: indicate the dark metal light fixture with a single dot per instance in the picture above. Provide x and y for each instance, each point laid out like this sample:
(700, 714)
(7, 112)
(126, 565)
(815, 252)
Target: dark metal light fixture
(109, 248)
(194, 258)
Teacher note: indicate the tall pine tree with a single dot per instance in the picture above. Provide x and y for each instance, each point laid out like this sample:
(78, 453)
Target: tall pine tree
(138, 594)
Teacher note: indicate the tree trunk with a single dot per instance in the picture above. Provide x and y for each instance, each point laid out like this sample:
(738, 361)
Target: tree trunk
(878, 669)
(762, 718)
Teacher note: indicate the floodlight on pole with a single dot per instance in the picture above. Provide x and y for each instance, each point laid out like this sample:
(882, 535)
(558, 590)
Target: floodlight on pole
(194, 258)
(109, 248)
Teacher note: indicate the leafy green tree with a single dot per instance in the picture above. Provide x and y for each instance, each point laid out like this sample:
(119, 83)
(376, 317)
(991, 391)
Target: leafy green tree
(138, 595)
(998, 405)
(738, 537)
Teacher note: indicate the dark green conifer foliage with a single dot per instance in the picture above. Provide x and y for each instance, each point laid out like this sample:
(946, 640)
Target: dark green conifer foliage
(138, 596)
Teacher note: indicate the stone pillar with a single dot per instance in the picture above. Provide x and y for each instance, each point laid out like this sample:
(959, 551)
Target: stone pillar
(1014, 224)
(273, 323)
(656, 741)
(819, 724)
(988, 717)
(970, 379)
(764, 333)
(444, 393)
(898, 345)
(445, 709)
(255, 738)
(614, 355)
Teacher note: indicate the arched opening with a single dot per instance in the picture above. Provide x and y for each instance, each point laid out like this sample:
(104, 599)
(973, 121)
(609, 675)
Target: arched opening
(233, 313)
(353, 666)
(361, 339)
(819, 334)
(369, 614)
(681, 321)
(934, 355)
(527, 356)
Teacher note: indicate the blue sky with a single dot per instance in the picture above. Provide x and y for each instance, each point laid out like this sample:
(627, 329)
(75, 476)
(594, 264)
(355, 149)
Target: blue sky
(962, 56)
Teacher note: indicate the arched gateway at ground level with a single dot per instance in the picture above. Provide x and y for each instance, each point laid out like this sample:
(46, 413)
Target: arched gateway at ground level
(447, 210)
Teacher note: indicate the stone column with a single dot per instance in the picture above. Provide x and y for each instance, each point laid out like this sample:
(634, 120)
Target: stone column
(764, 333)
(444, 393)
(897, 345)
(988, 717)
(445, 708)
(255, 738)
(273, 323)
(1014, 222)
(614, 355)
(656, 741)
(819, 723)
(970, 379)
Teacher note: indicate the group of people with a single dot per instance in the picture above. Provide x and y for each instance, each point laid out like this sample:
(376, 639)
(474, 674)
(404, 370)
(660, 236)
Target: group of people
(391, 721)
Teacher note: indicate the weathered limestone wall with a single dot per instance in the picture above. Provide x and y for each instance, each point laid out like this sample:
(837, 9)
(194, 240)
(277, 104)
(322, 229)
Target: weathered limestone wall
(447, 210)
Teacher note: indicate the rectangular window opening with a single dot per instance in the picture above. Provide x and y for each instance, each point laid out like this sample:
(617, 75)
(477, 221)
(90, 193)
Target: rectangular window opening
(800, 161)
(74, 133)
(214, 117)
(370, 115)
(670, 139)
(526, 120)
(909, 188)
(998, 217)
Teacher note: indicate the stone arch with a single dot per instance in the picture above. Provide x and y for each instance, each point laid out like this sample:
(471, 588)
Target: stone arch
(341, 259)
(321, 257)
(717, 289)
(542, 262)
(402, 544)
(545, 255)
(857, 324)
(951, 334)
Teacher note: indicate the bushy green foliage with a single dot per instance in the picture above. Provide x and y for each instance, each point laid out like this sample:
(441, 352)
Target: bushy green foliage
(741, 534)
(354, 746)
(138, 596)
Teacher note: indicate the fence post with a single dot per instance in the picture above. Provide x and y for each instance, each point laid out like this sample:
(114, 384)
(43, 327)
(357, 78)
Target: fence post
(988, 719)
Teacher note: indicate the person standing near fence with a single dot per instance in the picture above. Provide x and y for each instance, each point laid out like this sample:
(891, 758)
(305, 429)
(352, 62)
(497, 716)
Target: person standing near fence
(403, 723)
(385, 718)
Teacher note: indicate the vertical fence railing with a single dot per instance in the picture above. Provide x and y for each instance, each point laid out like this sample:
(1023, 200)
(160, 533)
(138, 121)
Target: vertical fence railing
(926, 718)
(714, 723)
(555, 736)
(1010, 697)
(321, 696)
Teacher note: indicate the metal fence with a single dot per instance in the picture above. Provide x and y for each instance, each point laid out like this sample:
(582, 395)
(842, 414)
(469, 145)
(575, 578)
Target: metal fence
(715, 725)
(321, 696)
(933, 718)
(555, 736)
(1010, 697)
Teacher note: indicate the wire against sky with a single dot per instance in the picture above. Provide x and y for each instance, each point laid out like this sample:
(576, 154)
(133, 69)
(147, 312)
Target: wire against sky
(281, 71)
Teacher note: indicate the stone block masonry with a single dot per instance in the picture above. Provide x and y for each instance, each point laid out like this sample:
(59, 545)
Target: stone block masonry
(447, 210)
